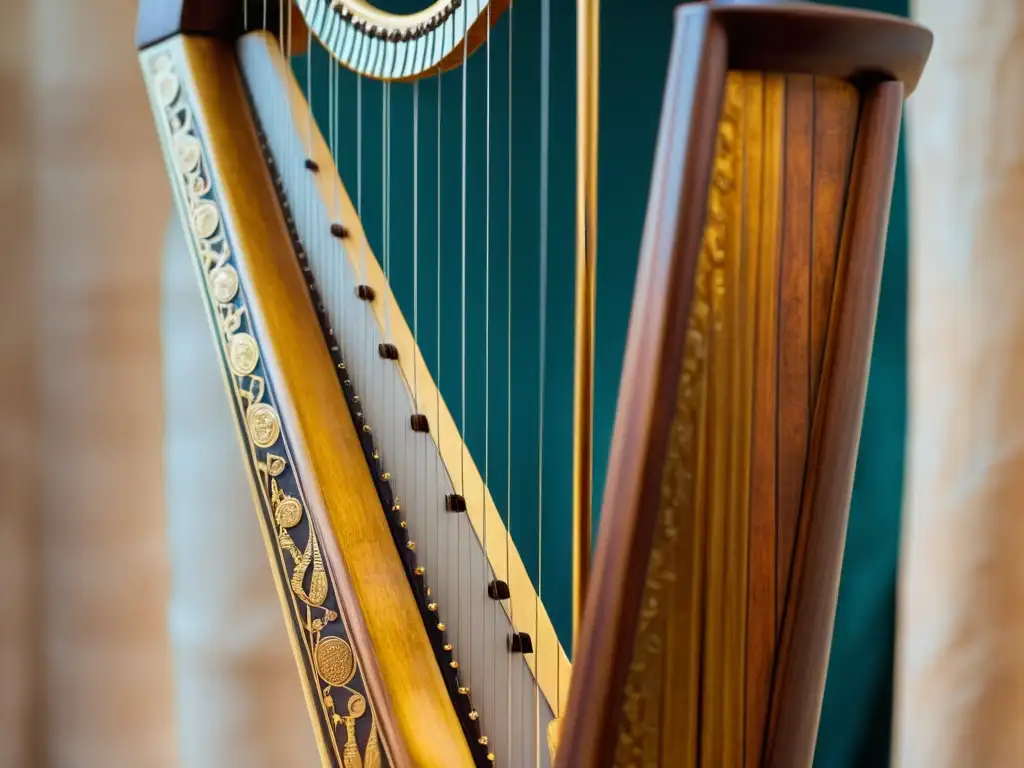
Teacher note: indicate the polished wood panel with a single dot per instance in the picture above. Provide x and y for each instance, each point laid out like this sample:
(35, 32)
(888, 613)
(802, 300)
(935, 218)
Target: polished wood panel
(414, 713)
(814, 581)
(671, 239)
(747, 490)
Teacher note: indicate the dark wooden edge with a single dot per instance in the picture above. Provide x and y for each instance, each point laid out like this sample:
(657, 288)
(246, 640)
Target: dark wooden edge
(806, 635)
(806, 38)
(159, 20)
(674, 226)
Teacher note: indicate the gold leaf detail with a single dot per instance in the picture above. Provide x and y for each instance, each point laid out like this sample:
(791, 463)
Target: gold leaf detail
(335, 662)
(275, 465)
(205, 219)
(188, 152)
(264, 428)
(167, 87)
(356, 705)
(243, 354)
(373, 748)
(224, 283)
(288, 512)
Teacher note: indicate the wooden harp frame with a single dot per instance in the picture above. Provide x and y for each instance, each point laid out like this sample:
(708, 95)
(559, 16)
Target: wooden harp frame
(882, 57)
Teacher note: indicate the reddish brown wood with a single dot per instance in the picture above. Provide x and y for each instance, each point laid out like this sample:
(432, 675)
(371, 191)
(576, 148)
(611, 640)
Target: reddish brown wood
(813, 589)
(835, 122)
(672, 235)
(824, 40)
(794, 321)
(815, 462)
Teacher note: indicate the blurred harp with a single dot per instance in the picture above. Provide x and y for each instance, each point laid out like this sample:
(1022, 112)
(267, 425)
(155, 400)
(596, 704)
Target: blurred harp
(418, 628)
(706, 636)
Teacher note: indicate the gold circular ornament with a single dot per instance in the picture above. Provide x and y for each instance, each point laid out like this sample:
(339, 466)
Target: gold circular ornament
(205, 219)
(264, 427)
(188, 150)
(243, 354)
(356, 705)
(224, 283)
(275, 465)
(334, 661)
(167, 86)
(288, 512)
(163, 61)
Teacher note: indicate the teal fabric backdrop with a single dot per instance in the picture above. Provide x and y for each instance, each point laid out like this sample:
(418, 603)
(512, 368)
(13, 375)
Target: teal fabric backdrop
(634, 53)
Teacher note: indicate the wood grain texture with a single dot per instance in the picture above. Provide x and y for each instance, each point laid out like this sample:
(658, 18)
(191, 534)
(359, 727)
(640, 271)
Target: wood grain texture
(814, 582)
(743, 561)
(763, 589)
(794, 323)
(668, 260)
(414, 713)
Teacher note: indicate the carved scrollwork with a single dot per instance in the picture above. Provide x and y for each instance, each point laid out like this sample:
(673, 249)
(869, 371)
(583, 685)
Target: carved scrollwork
(331, 662)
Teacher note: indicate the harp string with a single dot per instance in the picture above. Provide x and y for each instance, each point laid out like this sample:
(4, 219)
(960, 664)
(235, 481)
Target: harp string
(487, 359)
(508, 398)
(545, 126)
(463, 424)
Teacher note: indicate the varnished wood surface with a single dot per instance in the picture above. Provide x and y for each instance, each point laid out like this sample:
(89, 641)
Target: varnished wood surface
(754, 460)
(829, 41)
(413, 711)
(671, 238)
(814, 580)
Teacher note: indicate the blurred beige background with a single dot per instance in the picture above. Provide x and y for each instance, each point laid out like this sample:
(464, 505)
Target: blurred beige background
(87, 649)
(84, 655)
(110, 657)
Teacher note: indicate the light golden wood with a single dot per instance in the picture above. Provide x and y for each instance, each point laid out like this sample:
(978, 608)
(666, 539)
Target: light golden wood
(549, 662)
(416, 718)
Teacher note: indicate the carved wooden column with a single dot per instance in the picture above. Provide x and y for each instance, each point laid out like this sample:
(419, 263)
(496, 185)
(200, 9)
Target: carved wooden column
(960, 668)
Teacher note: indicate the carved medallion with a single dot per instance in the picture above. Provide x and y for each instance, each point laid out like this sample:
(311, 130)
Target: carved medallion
(334, 661)
(205, 219)
(243, 354)
(275, 465)
(288, 512)
(224, 283)
(167, 87)
(264, 427)
(188, 152)
(356, 705)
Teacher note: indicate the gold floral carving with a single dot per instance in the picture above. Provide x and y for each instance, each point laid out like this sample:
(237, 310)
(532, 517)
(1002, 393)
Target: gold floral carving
(648, 693)
(319, 627)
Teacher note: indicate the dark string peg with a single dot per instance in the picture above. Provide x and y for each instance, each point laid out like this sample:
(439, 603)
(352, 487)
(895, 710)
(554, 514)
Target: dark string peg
(498, 590)
(418, 422)
(520, 642)
(454, 503)
(366, 293)
(312, 165)
(388, 351)
(339, 231)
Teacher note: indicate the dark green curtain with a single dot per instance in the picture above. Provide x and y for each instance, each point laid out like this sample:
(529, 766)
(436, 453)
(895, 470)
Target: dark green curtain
(636, 36)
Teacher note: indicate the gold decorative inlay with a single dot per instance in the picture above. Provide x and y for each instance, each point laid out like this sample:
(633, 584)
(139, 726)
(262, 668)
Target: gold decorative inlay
(662, 681)
(205, 219)
(317, 623)
(275, 465)
(264, 428)
(335, 662)
(224, 283)
(243, 355)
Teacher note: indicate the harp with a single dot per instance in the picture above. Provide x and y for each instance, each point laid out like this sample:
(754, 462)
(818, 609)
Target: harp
(419, 629)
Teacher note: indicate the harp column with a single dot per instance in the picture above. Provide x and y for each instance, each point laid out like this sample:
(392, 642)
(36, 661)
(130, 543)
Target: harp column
(960, 649)
(587, 54)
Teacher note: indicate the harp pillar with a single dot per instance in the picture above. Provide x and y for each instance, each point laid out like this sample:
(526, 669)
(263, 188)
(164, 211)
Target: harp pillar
(714, 586)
